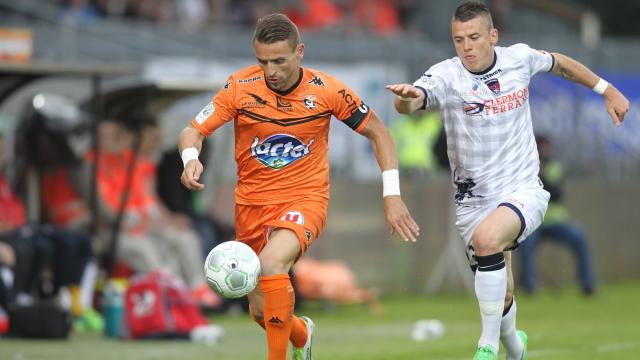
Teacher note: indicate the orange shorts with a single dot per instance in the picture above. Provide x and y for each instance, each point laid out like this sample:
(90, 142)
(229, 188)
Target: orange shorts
(306, 217)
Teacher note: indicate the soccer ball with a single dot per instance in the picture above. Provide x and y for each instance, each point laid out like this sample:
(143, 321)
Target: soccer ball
(232, 269)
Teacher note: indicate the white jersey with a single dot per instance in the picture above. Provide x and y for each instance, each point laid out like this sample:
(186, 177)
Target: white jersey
(490, 141)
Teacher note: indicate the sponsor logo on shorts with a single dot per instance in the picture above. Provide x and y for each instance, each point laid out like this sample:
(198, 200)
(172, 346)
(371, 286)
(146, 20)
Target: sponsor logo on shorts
(307, 233)
(280, 150)
(516, 202)
(294, 217)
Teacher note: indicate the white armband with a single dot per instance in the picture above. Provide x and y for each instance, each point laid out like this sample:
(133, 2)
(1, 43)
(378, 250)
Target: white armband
(189, 154)
(390, 182)
(601, 86)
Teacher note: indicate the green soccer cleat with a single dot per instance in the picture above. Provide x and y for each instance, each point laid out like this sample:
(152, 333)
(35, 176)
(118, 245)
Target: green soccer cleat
(523, 337)
(485, 353)
(304, 353)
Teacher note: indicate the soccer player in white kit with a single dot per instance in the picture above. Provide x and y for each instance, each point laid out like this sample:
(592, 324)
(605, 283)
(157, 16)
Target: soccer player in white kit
(484, 99)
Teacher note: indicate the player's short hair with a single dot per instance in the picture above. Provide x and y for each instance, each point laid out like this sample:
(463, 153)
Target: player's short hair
(472, 9)
(276, 27)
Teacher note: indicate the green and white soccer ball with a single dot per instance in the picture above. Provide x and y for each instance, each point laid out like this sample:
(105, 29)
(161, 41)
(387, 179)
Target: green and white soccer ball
(232, 269)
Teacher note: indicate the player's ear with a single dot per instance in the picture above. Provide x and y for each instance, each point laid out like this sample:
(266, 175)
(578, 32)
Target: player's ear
(493, 36)
(300, 51)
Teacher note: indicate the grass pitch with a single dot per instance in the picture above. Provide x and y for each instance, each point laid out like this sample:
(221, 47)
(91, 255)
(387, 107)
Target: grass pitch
(561, 325)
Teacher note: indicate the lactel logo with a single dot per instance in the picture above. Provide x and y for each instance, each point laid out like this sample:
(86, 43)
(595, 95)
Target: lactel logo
(280, 150)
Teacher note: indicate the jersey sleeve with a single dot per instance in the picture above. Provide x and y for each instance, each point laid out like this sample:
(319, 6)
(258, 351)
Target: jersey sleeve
(535, 60)
(432, 84)
(218, 111)
(347, 106)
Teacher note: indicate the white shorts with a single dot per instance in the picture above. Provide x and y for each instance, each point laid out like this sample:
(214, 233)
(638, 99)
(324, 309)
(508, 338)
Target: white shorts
(529, 204)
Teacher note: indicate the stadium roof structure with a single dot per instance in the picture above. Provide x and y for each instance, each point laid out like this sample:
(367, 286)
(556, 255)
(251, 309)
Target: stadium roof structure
(14, 76)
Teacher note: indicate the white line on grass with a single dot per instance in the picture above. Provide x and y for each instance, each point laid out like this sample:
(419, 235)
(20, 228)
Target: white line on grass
(617, 346)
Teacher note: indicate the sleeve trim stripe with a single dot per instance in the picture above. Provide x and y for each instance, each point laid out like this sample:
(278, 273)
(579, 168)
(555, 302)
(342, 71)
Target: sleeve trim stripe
(364, 122)
(355, 120)
(553, 62)
(200, 128)
(424, 102)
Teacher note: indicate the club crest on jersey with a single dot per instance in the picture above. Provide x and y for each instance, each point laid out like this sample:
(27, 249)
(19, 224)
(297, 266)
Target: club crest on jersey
(494, 85)
(205, 113)
(294, 217)
(309, 101)
(279, 151)
(472, 108)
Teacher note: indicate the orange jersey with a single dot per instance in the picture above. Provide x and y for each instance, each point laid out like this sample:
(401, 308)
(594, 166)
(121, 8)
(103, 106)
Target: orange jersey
(281, 138)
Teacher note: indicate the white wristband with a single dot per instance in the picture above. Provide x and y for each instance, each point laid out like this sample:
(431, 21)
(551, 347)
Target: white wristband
(601, 86)
(390, 182)
(189, 154)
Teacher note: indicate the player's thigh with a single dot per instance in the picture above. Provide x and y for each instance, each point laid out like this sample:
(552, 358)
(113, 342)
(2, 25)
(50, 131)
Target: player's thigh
(281, 251)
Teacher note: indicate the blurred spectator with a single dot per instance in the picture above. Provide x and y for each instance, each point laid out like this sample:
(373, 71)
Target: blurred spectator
(379, 16)
(151, 237)
(415, 136)
(37, 249)
(556, 227)
(315, 15)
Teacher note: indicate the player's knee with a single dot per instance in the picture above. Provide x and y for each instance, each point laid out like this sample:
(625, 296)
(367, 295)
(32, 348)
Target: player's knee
(486, 242)
(271, 264)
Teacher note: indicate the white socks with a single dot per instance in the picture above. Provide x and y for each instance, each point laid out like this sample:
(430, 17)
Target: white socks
(491, 288)
(508, 335)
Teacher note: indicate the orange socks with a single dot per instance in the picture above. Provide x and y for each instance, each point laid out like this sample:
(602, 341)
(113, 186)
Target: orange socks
(298, 336)
(279, 300)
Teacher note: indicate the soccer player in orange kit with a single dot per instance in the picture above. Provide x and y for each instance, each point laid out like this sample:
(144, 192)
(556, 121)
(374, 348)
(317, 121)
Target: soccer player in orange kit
(281, 114)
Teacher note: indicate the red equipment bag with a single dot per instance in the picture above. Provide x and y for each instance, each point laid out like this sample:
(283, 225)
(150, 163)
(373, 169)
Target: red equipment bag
(159, 305)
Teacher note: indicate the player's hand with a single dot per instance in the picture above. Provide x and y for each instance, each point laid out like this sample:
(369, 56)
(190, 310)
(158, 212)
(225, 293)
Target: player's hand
(405, 90)
(191, 175)
(617, 105)
(399, 219)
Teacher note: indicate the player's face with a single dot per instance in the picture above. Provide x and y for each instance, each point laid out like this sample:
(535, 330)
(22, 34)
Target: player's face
(474, 42)
(279, 62)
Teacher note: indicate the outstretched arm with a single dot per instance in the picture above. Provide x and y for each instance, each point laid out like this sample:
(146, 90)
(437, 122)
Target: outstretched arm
(616, 104)
(409, 98)
(396, 213)
(189, 146)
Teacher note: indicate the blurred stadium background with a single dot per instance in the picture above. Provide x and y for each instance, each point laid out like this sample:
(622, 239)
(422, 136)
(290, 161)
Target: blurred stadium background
(166, 58)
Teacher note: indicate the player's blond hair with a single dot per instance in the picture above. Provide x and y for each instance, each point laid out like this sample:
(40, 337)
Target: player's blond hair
(470, 10)
(276, 27)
